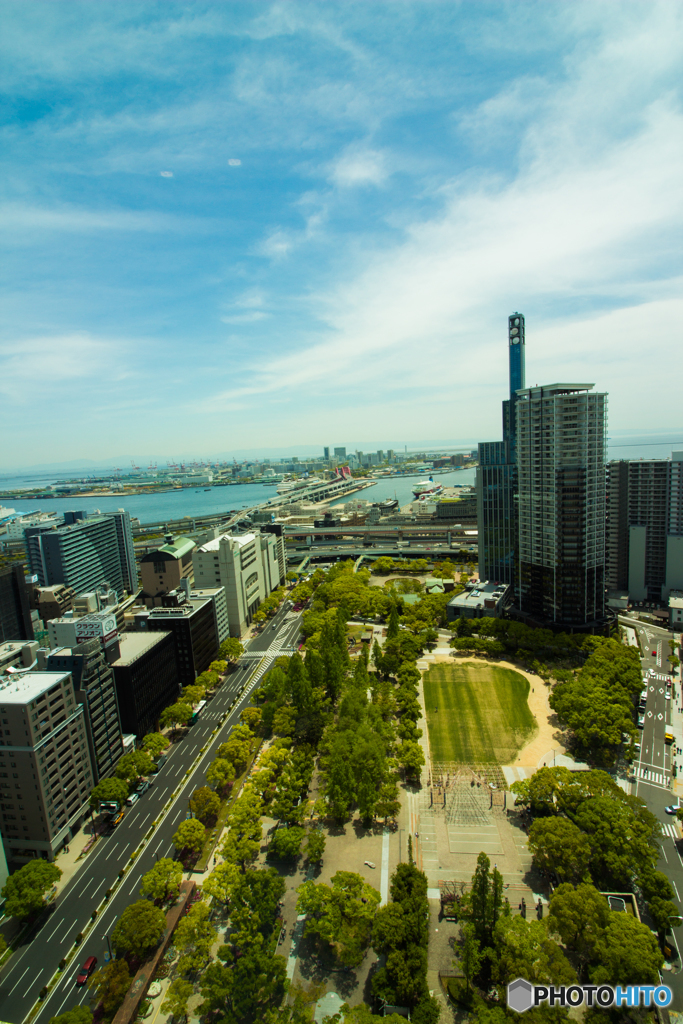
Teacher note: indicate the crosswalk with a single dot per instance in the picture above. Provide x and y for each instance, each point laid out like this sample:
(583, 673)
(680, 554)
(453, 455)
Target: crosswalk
(652, 776)
(670, 830)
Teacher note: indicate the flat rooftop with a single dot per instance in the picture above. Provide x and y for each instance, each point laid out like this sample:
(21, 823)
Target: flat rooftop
(134, 645)
(481, 592)
(240, 539)
(22, 688)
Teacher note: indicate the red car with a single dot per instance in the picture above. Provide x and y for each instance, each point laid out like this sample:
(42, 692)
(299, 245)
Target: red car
(86, 970)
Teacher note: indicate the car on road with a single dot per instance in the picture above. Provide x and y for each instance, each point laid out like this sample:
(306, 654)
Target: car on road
(86, 970)
(672, 808)
(667, 695)
(132, 799)
(641, 721)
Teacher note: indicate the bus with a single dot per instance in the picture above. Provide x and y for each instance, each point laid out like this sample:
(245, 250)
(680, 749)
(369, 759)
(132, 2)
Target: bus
(197, 711)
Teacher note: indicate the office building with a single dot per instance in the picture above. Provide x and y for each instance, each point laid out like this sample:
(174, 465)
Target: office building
(162, 570)
(70, 632)
(219, 604)
(93, 680)
(83, 553)
(326, 454)
(560, 442)
(15, 531)
(126, 546)
(45, 769)
(146, 678)
(249, 566)
(15, 611)
(645, 527)
(193, 625)
(340, 453)
(496, 479)
(484, 600)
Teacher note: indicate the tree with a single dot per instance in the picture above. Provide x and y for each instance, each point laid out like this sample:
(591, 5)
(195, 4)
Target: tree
(392, 625)
(231, 649)
(176, 714)
(162, 880)
(665, 916)
(139, 929)
(193, 694)
(558, 845)
(579, 916)
(471, 955)
(76, 1015)
(244, 986)
(194, 937)
(204, 803)
(483, 904)
(244, 838)
(190, 836)
(626, 949)
(219, 667)
(220, 773)
(154, 744)
(131, 766)
(411, 757)
(222, 881)
(109, 789)
(315, 846)
(286, 842)
(525, 951)
(25, 889)
(251, 717)
(177, 996)
(111, 984)
(340, 914)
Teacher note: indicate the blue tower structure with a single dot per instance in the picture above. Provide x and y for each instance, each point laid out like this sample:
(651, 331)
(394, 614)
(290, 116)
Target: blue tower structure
(496, 484)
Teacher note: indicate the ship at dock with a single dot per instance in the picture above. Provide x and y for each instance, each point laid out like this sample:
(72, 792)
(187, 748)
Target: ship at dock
(427, 489)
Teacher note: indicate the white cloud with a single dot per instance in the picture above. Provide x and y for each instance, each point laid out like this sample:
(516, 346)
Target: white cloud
(245, 318)
(234, 162)
(359, 166)
(38, 364)
(166, 174)
(19, 217)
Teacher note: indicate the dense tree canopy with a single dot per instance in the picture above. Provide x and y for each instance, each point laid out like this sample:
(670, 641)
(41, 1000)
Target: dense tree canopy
(138, 930)
(25, 889)
(340, 914)
(109, 789)
(163, 879)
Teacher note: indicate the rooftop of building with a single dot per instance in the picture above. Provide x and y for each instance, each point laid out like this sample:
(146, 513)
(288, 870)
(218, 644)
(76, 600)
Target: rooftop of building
(174, 549)
(20, 689)
(676, 599)
(238, 539)
(480, 593)
(553, 389)
(183, 610)
(134, 645)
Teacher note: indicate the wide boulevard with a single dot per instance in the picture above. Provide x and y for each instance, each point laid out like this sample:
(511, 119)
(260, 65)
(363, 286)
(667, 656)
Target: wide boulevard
(33, 964)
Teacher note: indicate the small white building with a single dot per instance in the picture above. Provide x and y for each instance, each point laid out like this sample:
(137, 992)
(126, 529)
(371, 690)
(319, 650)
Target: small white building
(676, 610)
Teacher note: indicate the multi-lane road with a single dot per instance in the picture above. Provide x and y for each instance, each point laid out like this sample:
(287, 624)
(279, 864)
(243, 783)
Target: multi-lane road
(653, 769)
(33, 965)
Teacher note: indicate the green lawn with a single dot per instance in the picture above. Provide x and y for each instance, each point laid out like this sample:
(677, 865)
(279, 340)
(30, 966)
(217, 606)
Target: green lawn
(483, 714)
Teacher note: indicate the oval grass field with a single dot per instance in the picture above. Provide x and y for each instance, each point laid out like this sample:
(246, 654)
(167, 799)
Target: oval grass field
(483, 716)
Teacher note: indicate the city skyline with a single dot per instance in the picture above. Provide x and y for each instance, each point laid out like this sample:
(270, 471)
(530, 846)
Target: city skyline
(240, 223)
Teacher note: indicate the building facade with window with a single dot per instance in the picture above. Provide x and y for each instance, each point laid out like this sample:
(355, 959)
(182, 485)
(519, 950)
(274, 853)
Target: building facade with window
(162, 570)
(146, 678)
(45, 769)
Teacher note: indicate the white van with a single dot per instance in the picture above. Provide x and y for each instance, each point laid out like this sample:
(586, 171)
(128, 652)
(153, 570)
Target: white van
(132, 799)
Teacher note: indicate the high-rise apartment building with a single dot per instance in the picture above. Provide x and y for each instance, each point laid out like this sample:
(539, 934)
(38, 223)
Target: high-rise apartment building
(84, 553)
(496, 482)
(93, 680)
(193, 625)
(340, 453)
(645, 527)
(326, 454)
(560, 439)
(45, 769)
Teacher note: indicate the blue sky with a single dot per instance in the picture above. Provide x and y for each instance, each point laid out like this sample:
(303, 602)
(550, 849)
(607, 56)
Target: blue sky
(241, 225)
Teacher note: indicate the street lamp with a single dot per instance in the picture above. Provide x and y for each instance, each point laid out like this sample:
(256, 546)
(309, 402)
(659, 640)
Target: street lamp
(111, 955)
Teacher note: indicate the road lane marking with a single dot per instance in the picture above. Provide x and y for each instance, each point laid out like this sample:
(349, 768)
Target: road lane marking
(17, 982)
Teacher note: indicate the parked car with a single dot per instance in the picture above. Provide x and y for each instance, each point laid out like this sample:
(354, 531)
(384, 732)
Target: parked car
(142, 786)
(86, 970)
(673, 808)
(641, 722)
